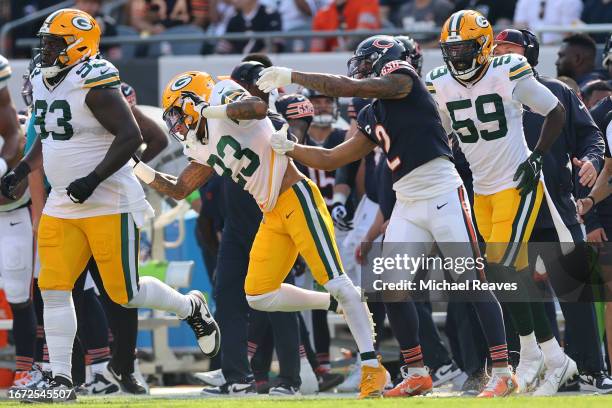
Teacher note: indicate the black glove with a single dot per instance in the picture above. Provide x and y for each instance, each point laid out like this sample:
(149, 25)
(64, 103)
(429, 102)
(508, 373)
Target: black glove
(198, 102)
(82, 188)
(338, 214)
(528, 173)
(12, 179)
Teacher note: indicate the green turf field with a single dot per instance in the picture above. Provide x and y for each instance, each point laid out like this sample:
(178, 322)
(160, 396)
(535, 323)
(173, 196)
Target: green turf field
(427, 402)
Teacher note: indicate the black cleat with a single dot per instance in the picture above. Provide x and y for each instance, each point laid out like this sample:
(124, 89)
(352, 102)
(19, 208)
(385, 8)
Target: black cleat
(203, 325)
(54, 390)
(600, 383)
(327, 381)
(128, 382)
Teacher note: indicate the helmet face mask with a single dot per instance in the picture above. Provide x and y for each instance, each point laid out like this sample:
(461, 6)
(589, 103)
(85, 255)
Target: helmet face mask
(461, 56)
(372, 54)
(361, 66)
(52, 49)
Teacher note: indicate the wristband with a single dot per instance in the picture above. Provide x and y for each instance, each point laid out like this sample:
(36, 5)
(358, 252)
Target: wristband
(144, 172)
(215, 112)
(592, 199)
(3, 167)
(339, 198)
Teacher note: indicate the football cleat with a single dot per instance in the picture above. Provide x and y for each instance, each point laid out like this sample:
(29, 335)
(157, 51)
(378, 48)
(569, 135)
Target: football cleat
(127, 382)
(555, 377)
(351, 382)
(284, 390)
(444, 374)
(528, 373)
(237, 389)
(213, 378)
(499, 386)
(203, 325)
(22, 379)
(328, 380)
(595, 382)
(100, 385)
(373, 380)
(54, 390)
(412, 385)
(310, 384)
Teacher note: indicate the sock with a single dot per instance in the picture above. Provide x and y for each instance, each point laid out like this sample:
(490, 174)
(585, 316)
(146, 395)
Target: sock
(60, 329)
(289, 298)
(357, 316)
(553, 353)
(413, 355)
(24, 334)
(529, 346)
(98, 368)
(504, 371)
(420, 371)
(154, 294)
(499, 354)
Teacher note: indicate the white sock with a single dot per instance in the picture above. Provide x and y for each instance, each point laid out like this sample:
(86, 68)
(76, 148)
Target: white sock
(421, 371)
(529, 347)
(289, 298)
(154, 294)
(356, 313)
(98, 368)
(502, 371)
(60, 329)
(554, 356)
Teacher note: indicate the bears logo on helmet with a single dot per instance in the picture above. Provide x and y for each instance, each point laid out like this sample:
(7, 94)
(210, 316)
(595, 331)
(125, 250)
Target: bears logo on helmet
(372, 54)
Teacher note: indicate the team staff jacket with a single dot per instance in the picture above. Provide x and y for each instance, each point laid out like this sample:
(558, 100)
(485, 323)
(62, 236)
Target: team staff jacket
(580, 138)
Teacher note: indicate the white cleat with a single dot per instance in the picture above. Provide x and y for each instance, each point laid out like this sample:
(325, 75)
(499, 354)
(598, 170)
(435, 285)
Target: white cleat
(556, 377)
(528, 373)
(203, 324)
(353, 379)
(213, 378)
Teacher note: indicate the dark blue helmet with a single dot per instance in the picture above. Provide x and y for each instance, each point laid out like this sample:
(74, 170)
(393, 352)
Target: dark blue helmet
(247, 72)
(372, 54)
(295, 106)
(413, 53)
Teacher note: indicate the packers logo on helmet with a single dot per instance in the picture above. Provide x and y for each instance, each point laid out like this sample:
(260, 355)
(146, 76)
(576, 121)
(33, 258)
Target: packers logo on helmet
(180, 114)
(67, 37)
(466, 42)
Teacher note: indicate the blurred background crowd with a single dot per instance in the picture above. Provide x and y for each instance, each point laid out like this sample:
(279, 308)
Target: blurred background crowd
(146, 18)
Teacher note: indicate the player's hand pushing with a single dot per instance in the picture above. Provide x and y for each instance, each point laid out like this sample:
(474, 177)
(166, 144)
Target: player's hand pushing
(12, 180)
(528, 173)
(82, 188)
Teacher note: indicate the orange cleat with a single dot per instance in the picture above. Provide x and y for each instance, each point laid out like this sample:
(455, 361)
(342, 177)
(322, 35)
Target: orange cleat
(412, 385)
(373, 380)
(22, 378)
(500, 386)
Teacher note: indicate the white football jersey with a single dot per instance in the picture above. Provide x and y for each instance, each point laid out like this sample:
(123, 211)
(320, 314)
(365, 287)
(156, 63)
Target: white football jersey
(241, 149)
(74, 143)
(486, 119)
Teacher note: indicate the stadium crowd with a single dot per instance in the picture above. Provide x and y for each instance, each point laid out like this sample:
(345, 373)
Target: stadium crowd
(360, 197)
(217, 17)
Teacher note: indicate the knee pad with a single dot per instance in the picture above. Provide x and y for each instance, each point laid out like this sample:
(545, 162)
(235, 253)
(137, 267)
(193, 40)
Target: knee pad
(265, 302)
(342, 289)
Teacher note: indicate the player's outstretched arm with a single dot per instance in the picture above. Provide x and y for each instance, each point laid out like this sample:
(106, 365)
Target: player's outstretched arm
(191, 178)
(392, 86)
(153, 135)
(247, 108)
(601, 190)
(350, 150)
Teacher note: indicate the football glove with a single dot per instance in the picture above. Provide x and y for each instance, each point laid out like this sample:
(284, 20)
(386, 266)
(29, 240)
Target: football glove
(274, 77)
(12, 179)
(338, 214)
(199, 104)
(528, 173)
(82, 188)
(279, 142)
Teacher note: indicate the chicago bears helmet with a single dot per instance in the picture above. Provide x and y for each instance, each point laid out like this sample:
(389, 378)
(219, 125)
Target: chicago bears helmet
(372, 54)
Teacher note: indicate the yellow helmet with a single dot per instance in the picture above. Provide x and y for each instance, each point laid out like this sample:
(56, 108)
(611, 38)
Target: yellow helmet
(466, 42)
(67, 37)
(181, 116)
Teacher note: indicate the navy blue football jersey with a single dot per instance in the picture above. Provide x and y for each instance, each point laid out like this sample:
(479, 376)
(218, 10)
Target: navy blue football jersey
(409, 129)
(602, 115)
(325, 180)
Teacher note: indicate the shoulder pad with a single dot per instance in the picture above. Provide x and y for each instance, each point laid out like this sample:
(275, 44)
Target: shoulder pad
(513, 65)
(227, 91)
(396, 65)
(433, 75)
(97, 73)
(5, 70)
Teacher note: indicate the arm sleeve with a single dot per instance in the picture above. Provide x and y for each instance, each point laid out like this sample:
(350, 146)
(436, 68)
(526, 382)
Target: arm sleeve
(536, 96)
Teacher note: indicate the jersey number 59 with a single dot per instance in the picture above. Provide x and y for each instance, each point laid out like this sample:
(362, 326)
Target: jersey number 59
(466, 129)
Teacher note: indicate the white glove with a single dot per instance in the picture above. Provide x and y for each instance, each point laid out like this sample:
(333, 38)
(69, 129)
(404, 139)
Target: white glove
(279, 142)
(274, 77)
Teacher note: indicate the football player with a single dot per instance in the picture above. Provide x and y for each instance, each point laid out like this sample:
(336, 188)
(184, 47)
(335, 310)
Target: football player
(481, 99)
(16, 248)
(224, 129)
(431, 200)
(86, 136)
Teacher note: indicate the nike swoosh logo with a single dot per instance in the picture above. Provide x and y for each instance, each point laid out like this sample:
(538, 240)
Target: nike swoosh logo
(449, 368)
(105, 71)
(240, 387)
(410, 390)
(12, 224)
(97, 391)
(440, 206)
(288, 215)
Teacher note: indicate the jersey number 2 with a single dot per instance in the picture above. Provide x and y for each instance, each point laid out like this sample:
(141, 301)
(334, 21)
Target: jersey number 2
(60, 109)
(466, 129)
(239, 153)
